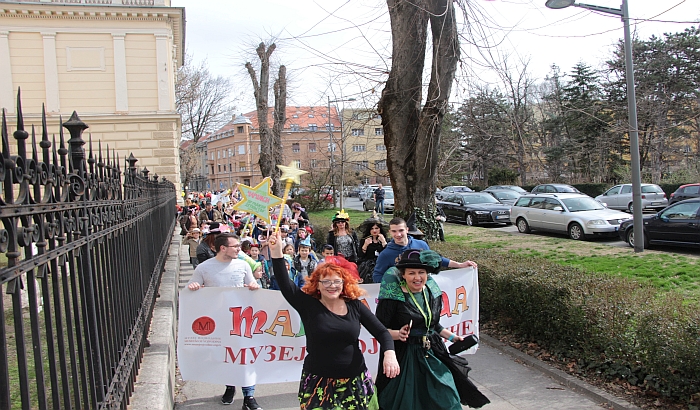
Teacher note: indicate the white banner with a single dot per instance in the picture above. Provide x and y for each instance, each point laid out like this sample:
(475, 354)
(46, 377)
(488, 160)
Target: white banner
(240, 337)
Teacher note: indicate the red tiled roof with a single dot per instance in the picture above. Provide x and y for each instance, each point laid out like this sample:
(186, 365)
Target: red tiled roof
(184, 144)
(300, 116)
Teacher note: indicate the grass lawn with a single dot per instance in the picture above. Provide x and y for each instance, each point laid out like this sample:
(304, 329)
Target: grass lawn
(665, 267)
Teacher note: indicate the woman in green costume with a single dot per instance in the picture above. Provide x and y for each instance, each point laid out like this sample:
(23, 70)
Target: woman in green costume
(410, 303)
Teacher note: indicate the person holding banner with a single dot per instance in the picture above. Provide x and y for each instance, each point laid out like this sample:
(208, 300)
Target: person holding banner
(227, 270)
(334, 375)
(410, 302)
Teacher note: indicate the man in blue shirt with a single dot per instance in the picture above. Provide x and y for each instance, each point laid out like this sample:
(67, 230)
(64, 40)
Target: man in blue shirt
(402, 241)
(379, 199)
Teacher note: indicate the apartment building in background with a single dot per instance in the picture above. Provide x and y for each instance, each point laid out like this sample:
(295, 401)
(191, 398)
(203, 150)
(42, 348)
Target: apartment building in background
(114, 62)
(308, 137)
(364, 149)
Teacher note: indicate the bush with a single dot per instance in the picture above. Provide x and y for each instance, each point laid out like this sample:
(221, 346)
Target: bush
(614, 327)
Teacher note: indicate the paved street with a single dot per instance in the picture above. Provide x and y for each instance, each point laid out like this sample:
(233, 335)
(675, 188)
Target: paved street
(506, 381)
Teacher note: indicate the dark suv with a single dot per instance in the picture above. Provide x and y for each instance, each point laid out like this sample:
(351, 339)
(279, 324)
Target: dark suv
(685, 192)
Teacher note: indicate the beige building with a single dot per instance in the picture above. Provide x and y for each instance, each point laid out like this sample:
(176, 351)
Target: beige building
(112, 61)
(364, 152)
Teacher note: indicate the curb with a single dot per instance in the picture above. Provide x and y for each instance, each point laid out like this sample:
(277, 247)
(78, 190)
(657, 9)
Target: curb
(155, 384)
(594, 393)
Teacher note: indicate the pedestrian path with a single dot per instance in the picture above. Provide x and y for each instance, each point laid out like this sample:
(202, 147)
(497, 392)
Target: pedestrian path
(509, 383)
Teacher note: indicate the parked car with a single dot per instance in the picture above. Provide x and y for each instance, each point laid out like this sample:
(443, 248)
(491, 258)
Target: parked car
(679, 224)
(368, 190)
(577, 215)
(512, 187)
(369, 204)
(449, 190)
(620, 197)
(553, 188)
(505, 196)
(474, 208)
(685, 192)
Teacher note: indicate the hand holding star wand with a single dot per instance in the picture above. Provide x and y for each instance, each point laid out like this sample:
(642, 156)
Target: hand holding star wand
(290, 174)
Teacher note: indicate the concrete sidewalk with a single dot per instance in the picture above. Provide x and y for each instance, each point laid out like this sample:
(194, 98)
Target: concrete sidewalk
(510, 379)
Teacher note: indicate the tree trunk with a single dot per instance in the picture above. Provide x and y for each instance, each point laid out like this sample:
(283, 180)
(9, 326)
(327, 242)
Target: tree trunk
(267, 163)
(412, 136)
(280, 117)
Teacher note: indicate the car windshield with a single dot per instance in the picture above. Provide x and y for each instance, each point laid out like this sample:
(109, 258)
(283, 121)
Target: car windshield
(506, 195)
(582, 204)
(388, 194)
(462, 189)
(479, 199)
(565, 188)
(652, 189)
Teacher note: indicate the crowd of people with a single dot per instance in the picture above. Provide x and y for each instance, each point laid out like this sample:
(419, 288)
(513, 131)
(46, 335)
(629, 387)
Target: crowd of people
(230, 248)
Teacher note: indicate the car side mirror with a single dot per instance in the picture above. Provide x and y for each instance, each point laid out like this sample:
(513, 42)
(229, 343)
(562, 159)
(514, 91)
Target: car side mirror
(558, 208)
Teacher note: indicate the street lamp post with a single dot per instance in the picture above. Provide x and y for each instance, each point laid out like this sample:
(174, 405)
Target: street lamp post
(623, 12)
(342, 152)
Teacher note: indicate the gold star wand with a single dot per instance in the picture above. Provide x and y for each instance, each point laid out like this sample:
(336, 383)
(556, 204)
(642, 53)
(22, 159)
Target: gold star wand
(290, 174)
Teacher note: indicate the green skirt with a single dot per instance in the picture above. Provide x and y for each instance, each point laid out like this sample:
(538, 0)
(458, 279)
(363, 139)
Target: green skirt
(326, 393)
(424, 383)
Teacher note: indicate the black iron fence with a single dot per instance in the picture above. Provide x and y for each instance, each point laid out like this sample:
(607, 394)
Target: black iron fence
(81, 255)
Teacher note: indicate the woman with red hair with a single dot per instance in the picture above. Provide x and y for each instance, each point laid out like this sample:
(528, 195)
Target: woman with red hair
(334, 375)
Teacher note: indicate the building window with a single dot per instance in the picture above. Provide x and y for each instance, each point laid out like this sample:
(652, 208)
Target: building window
(241, 149)
(330, 127)
(229, 167)
(313, 127)
(218, 154)
(241, 166)
(360, 165)
(297, 163)
(295, 147)
(295, 127)
(334, 145)
(377, 117)
(380, 165)
(380, 147)
(311, 115)
(212, 166)
(312, 147)
(212, 155)
(313, 163)
(219, 167)
(378, 131)
(240, 129)
(295, 116)
(230, 152)
(358, 148)
(259, 149)
(358, 131)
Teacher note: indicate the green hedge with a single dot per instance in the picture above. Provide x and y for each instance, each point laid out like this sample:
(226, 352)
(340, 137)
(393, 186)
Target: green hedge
(614, 327)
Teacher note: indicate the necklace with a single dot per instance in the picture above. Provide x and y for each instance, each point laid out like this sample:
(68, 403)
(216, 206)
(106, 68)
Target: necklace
(428, 318)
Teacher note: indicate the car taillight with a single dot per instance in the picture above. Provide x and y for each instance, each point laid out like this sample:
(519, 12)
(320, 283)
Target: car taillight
(644, 197)
(672, 194)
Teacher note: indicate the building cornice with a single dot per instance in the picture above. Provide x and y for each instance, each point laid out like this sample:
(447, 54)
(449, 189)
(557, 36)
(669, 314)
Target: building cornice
(174, 16)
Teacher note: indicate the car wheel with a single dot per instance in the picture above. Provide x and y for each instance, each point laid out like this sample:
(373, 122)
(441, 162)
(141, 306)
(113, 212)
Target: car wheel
(522, 225)
(470, 220)
(576, 232)
(630, 207)
(364, 207)
(630, 238)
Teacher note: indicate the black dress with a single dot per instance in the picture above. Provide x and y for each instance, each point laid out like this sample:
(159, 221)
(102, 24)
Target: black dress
(368, 259)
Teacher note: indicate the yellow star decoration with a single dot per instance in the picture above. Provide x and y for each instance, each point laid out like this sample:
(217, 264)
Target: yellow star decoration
(257, 200)
(291, 172)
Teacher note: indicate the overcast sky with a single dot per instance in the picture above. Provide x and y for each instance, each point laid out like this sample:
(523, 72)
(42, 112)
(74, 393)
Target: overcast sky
(322, 41)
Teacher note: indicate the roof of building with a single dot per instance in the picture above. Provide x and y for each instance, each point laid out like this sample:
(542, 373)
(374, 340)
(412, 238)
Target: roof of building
(301, 116)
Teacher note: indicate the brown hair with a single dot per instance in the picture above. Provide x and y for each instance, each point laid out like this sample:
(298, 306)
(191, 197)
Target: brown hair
(340, 266)
(335, 227)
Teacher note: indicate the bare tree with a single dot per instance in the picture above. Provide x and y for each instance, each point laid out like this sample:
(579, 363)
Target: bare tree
(412, 134)
(270, 140)
(203, 101)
